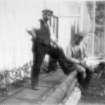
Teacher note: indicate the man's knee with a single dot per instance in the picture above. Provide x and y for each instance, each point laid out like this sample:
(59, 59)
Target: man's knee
(81, 70)
(53, 52)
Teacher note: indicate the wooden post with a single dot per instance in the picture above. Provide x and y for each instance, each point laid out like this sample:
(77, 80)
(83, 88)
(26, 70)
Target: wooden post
(93, 39)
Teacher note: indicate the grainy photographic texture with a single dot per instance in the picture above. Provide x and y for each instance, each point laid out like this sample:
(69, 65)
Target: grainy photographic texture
(52, 52)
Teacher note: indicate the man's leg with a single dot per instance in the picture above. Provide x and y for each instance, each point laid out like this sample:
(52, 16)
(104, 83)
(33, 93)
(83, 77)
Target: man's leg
(65, 64)
(52, 64)
(84, 76)
(58, 54)
(33, 73)
(38, 58)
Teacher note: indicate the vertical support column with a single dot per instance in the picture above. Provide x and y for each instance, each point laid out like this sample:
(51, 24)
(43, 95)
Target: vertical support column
(57, 26)
(81, 15)
(104, 32)
(93, 38)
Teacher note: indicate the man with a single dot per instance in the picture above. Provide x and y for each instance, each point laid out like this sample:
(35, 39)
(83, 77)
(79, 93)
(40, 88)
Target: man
(77, 50)
(71, 64)
(41, 42)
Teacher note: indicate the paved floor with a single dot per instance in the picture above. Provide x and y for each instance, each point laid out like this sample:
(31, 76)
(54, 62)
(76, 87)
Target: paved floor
(26, 96)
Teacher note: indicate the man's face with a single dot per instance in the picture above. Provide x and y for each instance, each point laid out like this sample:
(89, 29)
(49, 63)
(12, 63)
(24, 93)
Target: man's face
(46, 16)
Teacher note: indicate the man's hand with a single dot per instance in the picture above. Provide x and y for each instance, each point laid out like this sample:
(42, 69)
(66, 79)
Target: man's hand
(29, 32)
(53, 43)
(32, 32)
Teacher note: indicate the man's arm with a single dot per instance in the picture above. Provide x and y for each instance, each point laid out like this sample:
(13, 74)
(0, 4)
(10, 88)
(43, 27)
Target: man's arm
(75, 60)
(32, 30)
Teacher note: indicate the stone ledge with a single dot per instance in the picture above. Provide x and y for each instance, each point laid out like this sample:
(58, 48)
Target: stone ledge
(63, 92)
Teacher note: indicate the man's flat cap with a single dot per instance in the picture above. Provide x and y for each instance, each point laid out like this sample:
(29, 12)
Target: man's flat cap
(47, 11)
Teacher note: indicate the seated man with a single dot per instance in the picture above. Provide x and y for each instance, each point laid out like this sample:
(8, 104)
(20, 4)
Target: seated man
(71, 64)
